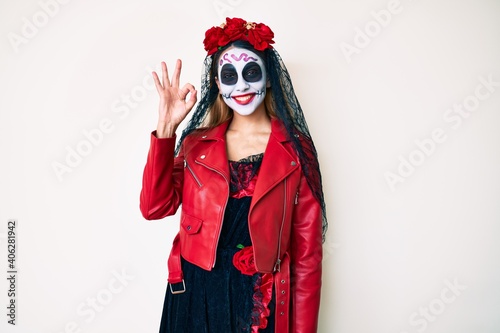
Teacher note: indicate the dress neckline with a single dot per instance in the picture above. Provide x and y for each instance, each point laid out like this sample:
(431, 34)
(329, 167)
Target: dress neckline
(249, 159)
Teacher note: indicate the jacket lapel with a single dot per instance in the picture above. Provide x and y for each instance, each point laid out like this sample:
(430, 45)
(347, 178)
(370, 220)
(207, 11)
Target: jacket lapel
(277, 163)
(213, 152)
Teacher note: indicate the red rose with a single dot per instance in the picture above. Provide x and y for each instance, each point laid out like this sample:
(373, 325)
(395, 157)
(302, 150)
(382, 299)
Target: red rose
(213, 37)
(261, 36)
(235, 29)
(243, 260)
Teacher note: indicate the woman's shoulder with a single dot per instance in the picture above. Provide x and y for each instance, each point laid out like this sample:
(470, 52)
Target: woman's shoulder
(197, 133)
(292, 133)
(204, 132)
(196, 136)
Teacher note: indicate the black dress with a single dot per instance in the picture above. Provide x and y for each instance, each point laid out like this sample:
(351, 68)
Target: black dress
(223, 300)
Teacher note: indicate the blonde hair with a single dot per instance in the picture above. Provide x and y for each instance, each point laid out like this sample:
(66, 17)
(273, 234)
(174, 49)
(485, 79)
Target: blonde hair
(219, 112)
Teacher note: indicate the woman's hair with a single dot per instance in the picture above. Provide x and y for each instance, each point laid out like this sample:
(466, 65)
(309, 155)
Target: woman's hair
(280, 101)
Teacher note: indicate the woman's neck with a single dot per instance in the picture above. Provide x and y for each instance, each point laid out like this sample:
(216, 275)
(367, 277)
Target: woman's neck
(247, 135)
(258, 121)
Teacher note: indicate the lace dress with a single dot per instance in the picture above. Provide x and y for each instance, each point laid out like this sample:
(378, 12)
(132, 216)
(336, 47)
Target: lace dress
(224, 300)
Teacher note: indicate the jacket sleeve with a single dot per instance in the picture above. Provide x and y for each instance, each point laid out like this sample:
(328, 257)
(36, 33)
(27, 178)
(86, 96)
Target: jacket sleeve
(306, 257)
(162, 180)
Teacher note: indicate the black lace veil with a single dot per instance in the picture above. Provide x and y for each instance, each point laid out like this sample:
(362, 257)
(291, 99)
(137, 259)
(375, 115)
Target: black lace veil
(286, 106)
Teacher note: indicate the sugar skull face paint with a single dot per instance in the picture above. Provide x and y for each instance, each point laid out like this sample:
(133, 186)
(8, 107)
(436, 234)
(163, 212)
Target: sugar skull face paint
(242, 80)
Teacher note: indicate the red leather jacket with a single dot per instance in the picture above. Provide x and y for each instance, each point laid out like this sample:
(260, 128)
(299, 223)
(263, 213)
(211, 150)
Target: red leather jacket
(284, 218)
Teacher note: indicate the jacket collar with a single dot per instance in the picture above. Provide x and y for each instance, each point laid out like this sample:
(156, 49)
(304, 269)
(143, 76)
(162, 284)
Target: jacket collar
(219, 132)
(277, 164)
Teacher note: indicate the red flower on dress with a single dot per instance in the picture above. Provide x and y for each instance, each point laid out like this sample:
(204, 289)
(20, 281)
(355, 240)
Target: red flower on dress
(243, 260)
(257, 34)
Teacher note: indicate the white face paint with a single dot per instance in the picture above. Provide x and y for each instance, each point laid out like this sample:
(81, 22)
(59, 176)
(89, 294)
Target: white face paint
(242, 78)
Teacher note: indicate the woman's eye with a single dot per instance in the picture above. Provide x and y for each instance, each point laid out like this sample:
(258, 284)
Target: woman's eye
(252, 72)
(228, 74)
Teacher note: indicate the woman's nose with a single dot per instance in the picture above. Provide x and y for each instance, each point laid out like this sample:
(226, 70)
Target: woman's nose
(242, 85)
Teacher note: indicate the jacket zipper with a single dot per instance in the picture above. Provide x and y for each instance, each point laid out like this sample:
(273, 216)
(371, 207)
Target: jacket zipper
(186, 165)
(278, 260)
(223, 210)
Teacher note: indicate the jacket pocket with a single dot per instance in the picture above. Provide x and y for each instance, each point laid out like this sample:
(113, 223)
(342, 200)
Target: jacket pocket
(190, 224)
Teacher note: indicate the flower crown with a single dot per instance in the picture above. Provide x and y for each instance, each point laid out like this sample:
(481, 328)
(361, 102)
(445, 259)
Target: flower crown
(257, 34)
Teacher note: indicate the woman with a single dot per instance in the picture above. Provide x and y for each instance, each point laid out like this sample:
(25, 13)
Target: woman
(247, 257)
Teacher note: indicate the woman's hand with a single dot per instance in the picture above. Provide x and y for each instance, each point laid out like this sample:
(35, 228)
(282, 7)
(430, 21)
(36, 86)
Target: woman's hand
(173, 105)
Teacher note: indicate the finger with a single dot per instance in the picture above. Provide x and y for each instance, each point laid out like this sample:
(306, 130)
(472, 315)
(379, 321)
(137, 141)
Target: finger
(192, 100)
(186, 89)
(189, 88)
(177, 73)
(158, 85)
(166, 80)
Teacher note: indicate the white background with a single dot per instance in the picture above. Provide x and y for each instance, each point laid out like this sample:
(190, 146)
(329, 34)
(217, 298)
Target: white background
(391, 252)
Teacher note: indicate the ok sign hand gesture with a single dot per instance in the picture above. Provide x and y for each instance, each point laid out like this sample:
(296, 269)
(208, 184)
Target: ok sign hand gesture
(173, 106)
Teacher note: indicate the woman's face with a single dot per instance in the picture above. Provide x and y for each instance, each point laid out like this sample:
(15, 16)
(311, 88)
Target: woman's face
(241, 77)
